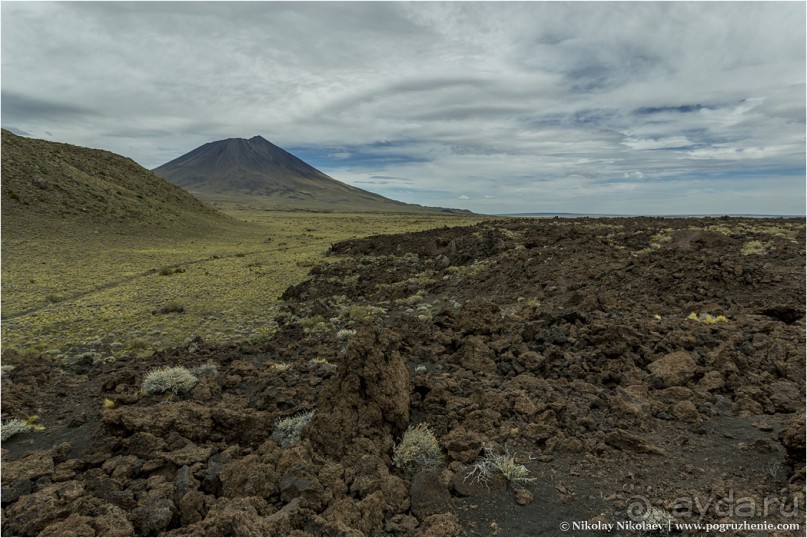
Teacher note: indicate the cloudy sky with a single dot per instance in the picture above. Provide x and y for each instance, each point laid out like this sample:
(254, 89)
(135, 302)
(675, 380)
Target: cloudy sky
(628, 108)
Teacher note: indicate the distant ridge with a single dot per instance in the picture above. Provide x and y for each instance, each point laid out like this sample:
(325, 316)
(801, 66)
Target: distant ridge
(664, 216)
(51, 182)
(272, 177)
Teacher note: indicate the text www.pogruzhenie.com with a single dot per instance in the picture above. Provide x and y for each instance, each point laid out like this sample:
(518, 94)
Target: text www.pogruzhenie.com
(633, 526)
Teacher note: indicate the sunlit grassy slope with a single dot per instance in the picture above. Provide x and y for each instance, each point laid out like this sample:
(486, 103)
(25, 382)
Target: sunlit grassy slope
(96, 291)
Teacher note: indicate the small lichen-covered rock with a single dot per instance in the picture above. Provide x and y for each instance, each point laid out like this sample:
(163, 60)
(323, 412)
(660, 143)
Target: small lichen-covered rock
(523, 496)
(685, 410)
(154, 517)
(673, 369)
(441, 525)
(623, 440)
(248, 477)
(476, 356)
(33, 466)
(785, 396)
(462, 445)
(428, 495)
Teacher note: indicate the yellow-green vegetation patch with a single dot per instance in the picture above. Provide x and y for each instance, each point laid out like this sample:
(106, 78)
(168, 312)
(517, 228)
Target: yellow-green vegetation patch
(755, 247)
(359, 312)
(412, 299)
(69, 291)
(286, 432)
(491, 461)
(314, 324)
(657, 240)
(176, 380)
(13, 427)
(417, 450)
(708, 319)
(16, 426)
(345, 334)
(786, 229)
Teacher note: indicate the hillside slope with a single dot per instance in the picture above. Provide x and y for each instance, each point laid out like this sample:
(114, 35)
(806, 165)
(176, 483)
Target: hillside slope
(61, 184)
(263, 173)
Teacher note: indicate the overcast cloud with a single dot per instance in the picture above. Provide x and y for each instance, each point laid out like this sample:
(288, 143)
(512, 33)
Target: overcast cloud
(630, 108)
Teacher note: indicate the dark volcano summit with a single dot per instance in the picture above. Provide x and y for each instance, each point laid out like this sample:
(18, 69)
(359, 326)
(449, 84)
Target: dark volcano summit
(267, 174)
(236, 164)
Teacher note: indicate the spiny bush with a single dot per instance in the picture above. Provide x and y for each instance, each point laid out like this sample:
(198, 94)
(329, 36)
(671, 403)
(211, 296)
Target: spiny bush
(5, 373)
(169, 379)
(13, 427)
(361, 312)
(491, 462)
(205, 369)
(345, 334)
(418, 449)
(287, 431)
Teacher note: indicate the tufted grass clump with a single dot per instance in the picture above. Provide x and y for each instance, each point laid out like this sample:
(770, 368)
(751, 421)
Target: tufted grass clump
(13, 427)
(418, 449)
(205, 369)
(345, 334)
(512, 471)
(286, 432)
(492, 462)
(708, 319)
(657, 517)
(360, 312)
(5, 373)
(176, 379)
(754, 248)
(323, 365)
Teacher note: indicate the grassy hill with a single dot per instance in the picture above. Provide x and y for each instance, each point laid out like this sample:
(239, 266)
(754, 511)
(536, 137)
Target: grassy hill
(54, 185)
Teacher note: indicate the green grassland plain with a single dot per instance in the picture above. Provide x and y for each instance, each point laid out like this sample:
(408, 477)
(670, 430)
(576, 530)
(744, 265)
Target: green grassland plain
(94, 289)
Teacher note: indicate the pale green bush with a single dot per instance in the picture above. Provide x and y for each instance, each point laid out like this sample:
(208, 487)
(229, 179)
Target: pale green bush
(176, 379)
(205, 369)
(491, 462)
(12, 428)
(418, 449)
(287, 431)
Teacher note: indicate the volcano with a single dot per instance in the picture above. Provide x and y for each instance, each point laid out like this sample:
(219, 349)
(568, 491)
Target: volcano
(267, 175)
